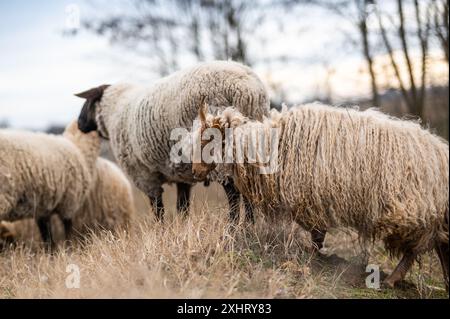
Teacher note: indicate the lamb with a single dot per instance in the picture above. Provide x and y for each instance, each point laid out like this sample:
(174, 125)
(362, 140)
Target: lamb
(138, 121)
(43, 174)
(109, 206)
(384, 177)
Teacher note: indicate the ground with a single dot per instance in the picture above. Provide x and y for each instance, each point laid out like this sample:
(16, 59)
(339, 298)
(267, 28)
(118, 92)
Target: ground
(202, 256)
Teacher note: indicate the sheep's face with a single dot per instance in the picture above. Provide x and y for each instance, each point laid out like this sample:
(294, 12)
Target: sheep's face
(87, 119)
(200, 170)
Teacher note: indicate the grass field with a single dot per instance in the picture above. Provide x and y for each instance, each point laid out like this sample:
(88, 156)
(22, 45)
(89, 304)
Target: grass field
(202, 256)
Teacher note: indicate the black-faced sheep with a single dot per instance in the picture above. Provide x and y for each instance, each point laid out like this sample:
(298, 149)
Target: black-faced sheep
(138, 121)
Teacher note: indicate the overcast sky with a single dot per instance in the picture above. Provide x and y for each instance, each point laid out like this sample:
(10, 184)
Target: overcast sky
(40, 69)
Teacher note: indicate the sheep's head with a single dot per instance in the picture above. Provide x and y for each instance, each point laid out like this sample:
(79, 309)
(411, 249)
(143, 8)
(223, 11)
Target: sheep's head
(7, 234)
(87, 119)
(200, 170)
(75, 134)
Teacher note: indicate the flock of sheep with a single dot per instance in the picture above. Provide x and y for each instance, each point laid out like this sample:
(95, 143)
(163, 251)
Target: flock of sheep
(383, 177)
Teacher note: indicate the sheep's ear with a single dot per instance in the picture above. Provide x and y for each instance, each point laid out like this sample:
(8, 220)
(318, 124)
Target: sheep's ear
(202, 111)
(94, 93)
(86, 119)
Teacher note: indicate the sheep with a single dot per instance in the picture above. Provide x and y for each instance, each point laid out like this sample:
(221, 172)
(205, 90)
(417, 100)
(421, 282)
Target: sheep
(43, 174)
(338, 167)
(110, 203)
(109, 206)
(138, 121)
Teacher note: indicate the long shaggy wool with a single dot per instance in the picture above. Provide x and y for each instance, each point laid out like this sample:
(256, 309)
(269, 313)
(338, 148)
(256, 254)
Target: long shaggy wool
(42, 174)
(386, 178)
(139, 120)
(109, 206)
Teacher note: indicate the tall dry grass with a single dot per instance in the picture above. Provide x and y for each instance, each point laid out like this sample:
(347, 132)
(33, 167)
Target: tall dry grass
(203, 256)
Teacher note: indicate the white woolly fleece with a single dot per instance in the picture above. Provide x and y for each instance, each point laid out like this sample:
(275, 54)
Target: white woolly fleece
(109, 206)
(43, 174)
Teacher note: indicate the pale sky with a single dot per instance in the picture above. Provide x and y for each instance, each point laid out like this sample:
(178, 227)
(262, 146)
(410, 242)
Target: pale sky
(40, 69)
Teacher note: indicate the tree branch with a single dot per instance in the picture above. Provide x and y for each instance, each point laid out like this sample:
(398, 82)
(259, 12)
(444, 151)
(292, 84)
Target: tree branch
(402, 36)
(423, 34)
(390, 52)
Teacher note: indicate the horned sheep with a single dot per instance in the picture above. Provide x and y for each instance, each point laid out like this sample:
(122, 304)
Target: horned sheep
(386, 178)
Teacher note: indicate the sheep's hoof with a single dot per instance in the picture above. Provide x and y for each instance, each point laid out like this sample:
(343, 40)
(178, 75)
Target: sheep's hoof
(398, 284)
(388, 283)
(316, 249)
(320, 257)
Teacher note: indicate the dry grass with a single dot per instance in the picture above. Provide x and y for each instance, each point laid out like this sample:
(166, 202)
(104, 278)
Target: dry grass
(202, 256)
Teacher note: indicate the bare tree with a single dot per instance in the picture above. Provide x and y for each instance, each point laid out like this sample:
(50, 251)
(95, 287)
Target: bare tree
(150, 27)
(414, 90)
(440, 24)
(363, 14)
(172, 30)
(357, 12)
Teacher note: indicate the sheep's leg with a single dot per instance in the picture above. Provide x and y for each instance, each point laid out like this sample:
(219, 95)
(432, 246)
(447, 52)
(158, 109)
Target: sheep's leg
(400, 271)
(233, 197)
(68, 227)
(248, 211)
(46, 232)
(157, 203)
(318, 237)
(183, 195)
(442, 250)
